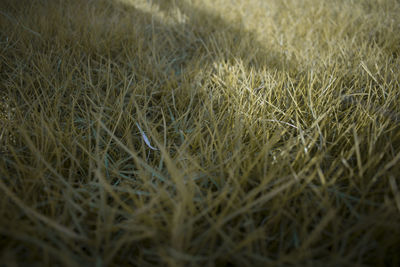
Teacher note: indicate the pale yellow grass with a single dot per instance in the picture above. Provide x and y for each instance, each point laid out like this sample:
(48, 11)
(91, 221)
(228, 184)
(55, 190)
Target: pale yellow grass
(199, 133)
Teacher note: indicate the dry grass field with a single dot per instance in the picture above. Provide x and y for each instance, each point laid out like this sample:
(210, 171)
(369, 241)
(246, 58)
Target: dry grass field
(200, 133)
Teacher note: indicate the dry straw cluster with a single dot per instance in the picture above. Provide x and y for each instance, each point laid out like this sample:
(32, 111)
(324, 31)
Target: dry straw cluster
(200, 133)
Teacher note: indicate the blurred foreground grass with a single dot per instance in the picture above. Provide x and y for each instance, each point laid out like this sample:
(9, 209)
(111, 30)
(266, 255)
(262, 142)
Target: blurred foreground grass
(188, 133)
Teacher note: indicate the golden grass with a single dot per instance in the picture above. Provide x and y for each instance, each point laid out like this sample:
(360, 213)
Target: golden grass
(200, 133)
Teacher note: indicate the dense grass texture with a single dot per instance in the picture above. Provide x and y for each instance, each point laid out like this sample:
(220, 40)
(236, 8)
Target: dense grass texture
(200, 133)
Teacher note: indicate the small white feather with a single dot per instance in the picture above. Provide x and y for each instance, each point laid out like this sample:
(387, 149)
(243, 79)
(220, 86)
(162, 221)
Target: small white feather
(146, 140)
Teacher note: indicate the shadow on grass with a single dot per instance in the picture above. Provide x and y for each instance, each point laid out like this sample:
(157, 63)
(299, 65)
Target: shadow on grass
(190, 38)
(171, 43)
